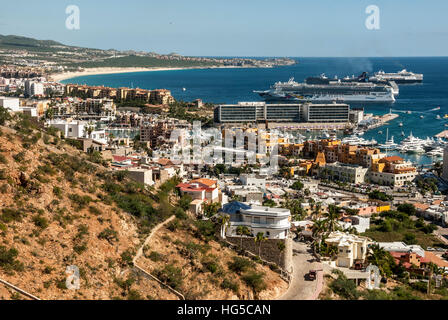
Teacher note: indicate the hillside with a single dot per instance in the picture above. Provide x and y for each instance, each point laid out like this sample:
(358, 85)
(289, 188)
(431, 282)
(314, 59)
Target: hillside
(60, 207)
(18, 42)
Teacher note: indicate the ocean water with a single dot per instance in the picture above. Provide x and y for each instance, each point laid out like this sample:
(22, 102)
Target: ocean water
(233, 85)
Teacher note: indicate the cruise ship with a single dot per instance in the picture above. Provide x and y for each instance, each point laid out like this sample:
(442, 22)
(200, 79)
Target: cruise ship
(400, 77)
(322, 89)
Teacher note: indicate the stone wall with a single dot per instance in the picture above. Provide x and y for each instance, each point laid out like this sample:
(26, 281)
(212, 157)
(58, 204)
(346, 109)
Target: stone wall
(269, 250)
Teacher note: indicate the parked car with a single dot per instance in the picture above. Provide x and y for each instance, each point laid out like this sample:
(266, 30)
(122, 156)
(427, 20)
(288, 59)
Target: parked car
(312, 275)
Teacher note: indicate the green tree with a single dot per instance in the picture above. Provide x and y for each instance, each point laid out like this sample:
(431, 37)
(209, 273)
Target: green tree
(242, 231)
(259, 238)
(332, 217)
(281, 247)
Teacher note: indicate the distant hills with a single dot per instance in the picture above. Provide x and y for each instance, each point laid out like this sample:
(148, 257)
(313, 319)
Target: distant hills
(55, 56)
(18, 42)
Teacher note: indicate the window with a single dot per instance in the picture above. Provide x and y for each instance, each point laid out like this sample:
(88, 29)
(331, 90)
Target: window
(270, 220)
(256, 220)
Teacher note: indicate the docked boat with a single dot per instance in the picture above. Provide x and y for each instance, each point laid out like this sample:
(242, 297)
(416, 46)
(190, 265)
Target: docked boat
(322, 89)
(437, 152)
(400, 77)
(388, 145)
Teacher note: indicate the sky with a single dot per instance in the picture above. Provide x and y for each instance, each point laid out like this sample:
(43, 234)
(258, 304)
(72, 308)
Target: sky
(294, 28)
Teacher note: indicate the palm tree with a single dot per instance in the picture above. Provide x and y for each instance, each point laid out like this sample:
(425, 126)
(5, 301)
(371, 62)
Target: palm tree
(332, 217)
(319, 227)
(224, 221)
(242, 231)
(259, 238)
(316, 210)
(378, 257)
(281, 247)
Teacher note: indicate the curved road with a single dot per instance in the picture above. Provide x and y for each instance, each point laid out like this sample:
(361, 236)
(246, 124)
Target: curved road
(300, 288)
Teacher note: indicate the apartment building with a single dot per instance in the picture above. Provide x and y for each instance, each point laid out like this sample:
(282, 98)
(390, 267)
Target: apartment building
(156, 133)
(158, 96)
(344, 172)
(274, 223)
(245, 112)
(392, 171)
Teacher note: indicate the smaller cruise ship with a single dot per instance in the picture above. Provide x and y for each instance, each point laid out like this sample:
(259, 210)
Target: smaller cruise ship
(400, 77)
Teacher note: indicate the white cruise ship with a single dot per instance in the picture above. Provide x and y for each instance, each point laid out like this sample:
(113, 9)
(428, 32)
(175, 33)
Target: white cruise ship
(326, 90)
(401, 77)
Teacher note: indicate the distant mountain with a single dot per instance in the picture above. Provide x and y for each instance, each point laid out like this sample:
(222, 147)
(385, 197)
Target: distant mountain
(18, 42)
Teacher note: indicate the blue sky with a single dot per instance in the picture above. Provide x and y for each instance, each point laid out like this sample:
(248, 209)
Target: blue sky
(239, 28)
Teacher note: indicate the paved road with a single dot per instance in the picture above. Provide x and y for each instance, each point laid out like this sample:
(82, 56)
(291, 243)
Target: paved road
(301, 289)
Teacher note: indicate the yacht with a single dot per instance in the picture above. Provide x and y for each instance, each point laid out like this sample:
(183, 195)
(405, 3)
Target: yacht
(437, 152)
(389, 144)
(358, 141)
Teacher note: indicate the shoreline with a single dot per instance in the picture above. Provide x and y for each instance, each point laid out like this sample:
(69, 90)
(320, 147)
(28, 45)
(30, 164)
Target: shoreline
(57, 77)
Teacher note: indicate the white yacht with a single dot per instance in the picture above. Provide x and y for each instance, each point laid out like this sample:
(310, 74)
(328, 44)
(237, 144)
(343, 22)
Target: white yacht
(389, 144)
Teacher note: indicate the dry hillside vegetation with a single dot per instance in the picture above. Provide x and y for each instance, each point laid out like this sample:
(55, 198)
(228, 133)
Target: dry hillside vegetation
(61, 207)
(187, 256)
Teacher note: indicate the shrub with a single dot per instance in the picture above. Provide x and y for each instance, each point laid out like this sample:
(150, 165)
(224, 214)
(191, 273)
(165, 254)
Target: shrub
(171, 275)
(211, 264)
(3, 159)
(57, 191)
(180, 214)
(206, 229)
(80, 201)
(108, 234)
(19, 157)
(255, 280)
(344, 287)
(229, 284)
(240, 265)
(95, 211)
(9, 215)
(155, 256)
(127, 257)
(407, 208)
(134, 295)
(80, 248)
(8, 260)
(40, 222)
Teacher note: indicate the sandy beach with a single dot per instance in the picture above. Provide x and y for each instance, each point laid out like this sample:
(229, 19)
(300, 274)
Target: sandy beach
(97, 71)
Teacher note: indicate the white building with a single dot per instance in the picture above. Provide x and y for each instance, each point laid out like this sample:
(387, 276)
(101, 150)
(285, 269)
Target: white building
(37, 89)
(402, 247)
(361, 224)
(13, 104)
(344, 172)
(141, 175)
(78, 129)
(350, 248)
(253, 180)
(274, 223)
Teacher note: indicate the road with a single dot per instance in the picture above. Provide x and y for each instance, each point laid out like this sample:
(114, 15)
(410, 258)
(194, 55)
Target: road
(303, 262)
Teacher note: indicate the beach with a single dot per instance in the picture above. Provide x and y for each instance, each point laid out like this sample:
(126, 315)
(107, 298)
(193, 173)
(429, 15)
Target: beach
(99, 71)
